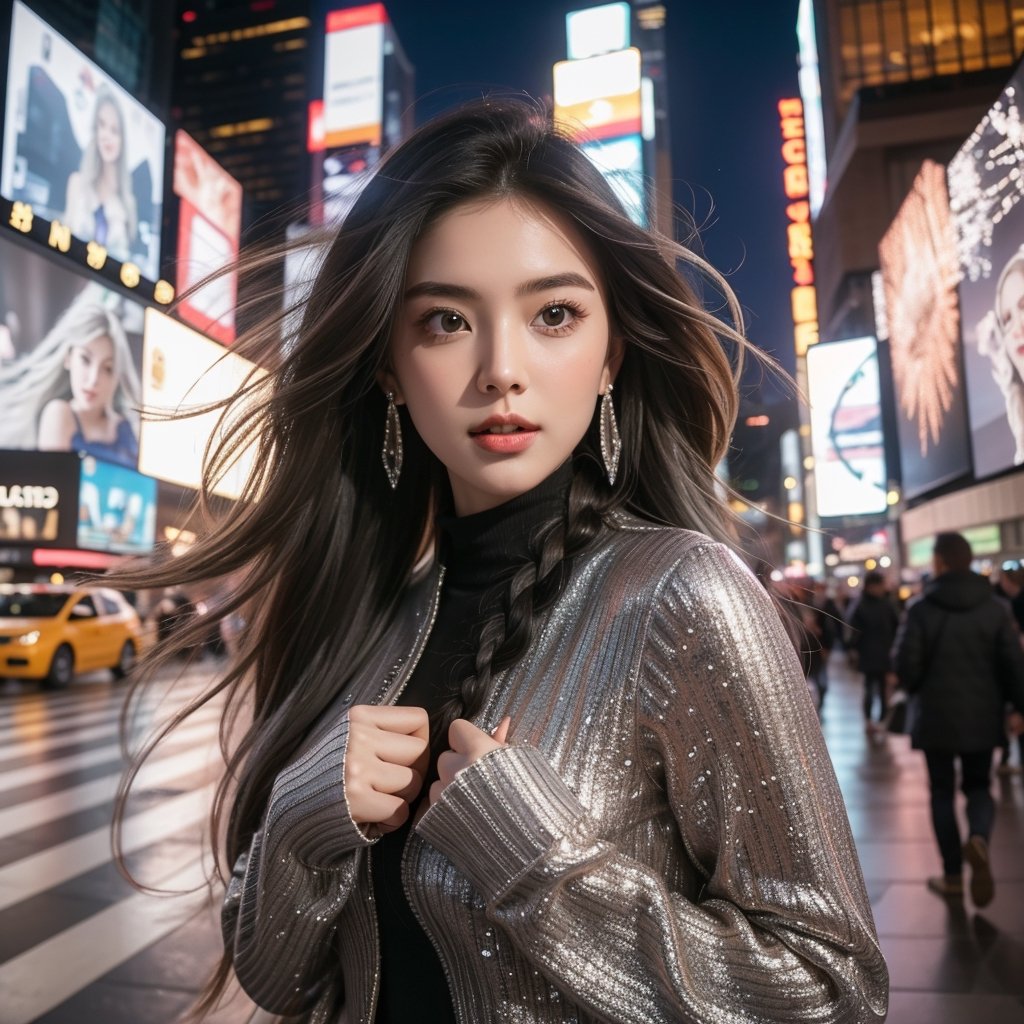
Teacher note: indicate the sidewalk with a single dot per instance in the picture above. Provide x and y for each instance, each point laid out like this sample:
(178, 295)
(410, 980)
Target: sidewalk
(949, 963)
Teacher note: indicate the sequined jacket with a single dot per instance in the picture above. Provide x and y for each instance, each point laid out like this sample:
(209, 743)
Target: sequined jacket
(663, 839)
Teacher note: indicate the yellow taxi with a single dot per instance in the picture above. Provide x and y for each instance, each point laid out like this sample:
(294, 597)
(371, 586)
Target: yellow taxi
(51, 632)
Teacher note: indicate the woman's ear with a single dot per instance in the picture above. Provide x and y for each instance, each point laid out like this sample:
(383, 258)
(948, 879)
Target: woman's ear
(389, 383)
(616, 353)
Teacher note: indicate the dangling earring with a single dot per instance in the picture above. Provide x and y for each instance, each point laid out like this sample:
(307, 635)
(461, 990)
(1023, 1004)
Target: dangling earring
(611, 443)
(391, 453)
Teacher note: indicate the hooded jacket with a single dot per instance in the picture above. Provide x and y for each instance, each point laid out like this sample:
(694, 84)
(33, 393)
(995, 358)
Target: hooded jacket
(663, 839)
(958, 655)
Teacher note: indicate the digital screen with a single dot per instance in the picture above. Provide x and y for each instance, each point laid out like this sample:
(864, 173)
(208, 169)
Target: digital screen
(70, 360)
(38, 498)
(920, 272)
(79, 148)
(596, 30)
(181, 372)
(621, 163)
(209, 229)
(354, 76)
(986, 186)
(846, 428)
(599, 98)
(116, 509)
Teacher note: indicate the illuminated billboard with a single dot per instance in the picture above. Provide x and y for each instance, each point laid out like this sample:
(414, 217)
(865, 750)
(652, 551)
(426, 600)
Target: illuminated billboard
(621, 162)
(78, 149)
(354, 76)
(209, 228)
(846, 428)
(116, 509)
(986, 186)
(599, 98)
(38, 498)
(919, 283)
(182, 371)
(70, 360)
(596, 30)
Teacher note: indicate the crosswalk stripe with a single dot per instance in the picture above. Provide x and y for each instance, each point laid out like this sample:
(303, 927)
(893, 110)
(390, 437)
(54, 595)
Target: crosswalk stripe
(36, 812)
(41, 871)
(34, 773)
(45, 744)
(36, 981)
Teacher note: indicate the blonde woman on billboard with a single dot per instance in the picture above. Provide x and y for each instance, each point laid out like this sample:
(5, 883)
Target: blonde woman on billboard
(525, 741)
(77, 390)
(1001, 338)
(100, 201)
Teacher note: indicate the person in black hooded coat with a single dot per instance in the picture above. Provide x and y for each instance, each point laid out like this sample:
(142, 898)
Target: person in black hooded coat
(958, 657)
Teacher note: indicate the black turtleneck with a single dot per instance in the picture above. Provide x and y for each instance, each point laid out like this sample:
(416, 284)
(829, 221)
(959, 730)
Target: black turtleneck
(479, 552)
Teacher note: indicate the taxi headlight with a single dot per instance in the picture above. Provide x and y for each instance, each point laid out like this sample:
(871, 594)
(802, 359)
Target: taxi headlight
(28, 639)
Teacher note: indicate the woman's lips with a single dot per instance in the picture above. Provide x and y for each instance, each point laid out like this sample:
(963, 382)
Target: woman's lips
(506, 444)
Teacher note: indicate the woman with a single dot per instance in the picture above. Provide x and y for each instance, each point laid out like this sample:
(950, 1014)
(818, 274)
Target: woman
(77, 390)
(1001, 335)
(100, 200)
(525, 745)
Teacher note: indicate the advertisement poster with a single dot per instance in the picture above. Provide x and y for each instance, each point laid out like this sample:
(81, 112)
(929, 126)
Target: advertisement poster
(79, 148)
(209, 229)
(183, 372)
(70, 359)
(986, 189)
(38, 498)
(920, 274)
(847, 441)
(116, 509)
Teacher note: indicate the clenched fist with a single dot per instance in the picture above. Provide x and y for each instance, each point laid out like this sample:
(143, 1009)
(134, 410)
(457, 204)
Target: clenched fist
(387, 757)
(466, 744)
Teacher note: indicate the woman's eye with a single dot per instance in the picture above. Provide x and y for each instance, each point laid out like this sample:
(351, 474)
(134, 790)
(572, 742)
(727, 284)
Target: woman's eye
(557, 315)
(446, 321)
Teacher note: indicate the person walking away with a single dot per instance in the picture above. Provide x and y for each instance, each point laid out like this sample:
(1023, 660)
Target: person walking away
(873, 623)
(957, 656)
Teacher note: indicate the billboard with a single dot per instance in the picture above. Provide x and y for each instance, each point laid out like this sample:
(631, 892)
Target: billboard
(181, 372)
(354, 76)
(920, 272)
(846, 428)
(116, 509)
(621, 162)
(209, 229)
(986, 186)
(596, 30)
(70, 359)
(599, 97)
(78, 148)
(38, 498)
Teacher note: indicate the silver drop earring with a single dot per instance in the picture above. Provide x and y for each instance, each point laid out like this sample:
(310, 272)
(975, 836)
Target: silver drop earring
(611, 442)
(391, 453)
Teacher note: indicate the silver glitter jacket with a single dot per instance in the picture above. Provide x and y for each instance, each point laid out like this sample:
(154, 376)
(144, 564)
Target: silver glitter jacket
(662, 840)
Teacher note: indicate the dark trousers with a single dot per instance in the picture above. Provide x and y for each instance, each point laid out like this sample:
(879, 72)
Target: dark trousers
(874, 682)
(975, 781)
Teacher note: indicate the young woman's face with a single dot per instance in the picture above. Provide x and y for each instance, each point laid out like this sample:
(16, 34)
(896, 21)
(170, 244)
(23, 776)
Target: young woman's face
(91, 369)
(504, 327)
(1010, 306)
(108, 133)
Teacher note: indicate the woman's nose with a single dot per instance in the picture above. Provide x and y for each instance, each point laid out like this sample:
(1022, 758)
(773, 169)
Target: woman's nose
(502, 362)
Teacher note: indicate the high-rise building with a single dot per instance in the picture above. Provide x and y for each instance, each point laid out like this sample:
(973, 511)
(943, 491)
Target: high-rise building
(901, 81)
(241, 90)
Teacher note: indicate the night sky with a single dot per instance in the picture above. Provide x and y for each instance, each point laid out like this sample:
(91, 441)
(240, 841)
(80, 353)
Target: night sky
(728, 65)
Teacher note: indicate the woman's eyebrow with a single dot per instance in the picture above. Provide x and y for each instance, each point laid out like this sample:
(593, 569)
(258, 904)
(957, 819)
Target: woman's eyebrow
(569, 279)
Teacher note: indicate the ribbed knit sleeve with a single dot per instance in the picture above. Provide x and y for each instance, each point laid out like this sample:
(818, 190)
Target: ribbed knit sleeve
(782, 930)
(286, 893)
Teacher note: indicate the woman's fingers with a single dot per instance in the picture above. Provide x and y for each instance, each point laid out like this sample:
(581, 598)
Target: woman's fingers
(397, 748)
(396, 779)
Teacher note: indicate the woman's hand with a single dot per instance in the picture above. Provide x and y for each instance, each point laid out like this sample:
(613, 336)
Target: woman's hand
(388, 753)
(466, 744)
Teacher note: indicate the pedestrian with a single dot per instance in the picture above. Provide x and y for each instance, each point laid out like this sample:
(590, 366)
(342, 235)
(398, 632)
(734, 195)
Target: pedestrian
(528, 742)
(872, 630)
(958, 658)
(819, 615)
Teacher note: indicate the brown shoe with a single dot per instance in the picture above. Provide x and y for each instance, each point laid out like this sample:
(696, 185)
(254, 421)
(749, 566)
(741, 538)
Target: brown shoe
(983, 888)
(947, 885)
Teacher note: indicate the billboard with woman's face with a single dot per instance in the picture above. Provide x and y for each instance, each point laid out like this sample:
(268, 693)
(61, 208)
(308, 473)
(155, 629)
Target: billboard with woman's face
(80, 149)
(70, 360)
(986, 192)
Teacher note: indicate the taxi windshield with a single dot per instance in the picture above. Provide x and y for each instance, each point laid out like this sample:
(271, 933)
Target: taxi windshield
(31, 606)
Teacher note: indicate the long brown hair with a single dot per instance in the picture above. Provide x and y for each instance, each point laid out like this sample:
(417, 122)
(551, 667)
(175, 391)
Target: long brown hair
(318, 512)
